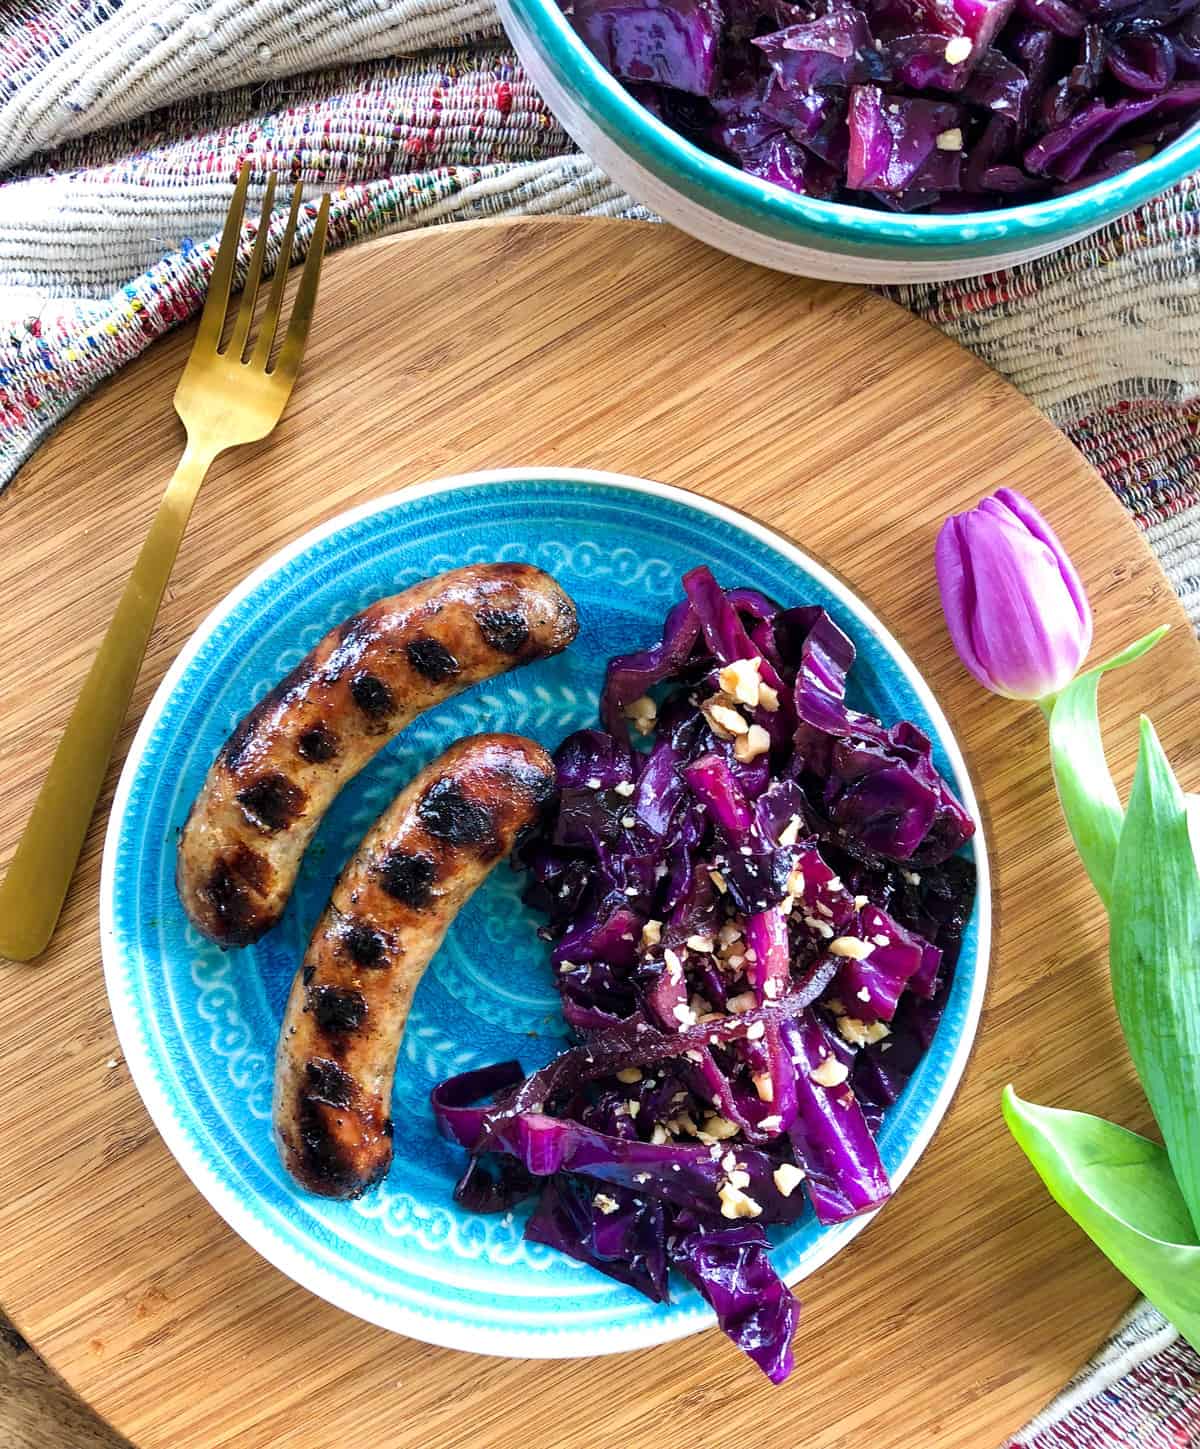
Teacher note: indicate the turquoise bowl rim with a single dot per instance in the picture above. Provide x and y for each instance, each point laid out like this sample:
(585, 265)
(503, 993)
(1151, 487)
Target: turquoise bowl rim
(769, 210)
(257, 1228)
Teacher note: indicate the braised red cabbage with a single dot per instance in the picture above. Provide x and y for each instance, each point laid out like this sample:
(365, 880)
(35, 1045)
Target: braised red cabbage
(931, 105)
(756, 901)
(731, 1267)
(627, 1242)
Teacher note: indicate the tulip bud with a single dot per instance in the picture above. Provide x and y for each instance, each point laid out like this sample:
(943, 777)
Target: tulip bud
(1014, 605)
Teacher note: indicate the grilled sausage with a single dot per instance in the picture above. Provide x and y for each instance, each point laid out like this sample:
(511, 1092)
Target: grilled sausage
(389, 911)
(280, 770)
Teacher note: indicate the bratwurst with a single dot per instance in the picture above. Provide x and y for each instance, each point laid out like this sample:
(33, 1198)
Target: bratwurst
(284, 764)
(415, 869)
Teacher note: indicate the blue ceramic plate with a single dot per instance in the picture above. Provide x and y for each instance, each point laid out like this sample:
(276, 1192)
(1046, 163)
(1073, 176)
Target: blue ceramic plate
(198, 1026)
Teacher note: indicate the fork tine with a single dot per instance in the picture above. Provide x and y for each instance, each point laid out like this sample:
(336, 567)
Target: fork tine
(270, 321)
(292, 350)
(213, 317)
(241, 328)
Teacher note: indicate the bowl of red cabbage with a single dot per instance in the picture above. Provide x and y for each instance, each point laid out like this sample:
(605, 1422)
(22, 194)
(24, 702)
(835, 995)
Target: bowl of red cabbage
(761, 906)
(876, 140)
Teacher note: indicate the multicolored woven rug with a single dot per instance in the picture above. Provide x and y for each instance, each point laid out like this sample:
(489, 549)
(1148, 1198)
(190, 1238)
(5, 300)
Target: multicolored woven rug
(122, 126)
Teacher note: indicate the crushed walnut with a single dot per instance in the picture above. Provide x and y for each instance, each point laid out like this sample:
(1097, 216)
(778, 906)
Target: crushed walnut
(737, 1204)
(756, 741)
(850, 947)
(861, 1033)
(723, 718)
(822, 928)
(651, 933)
(641, 714)
(719, 1128)
(788, 1178)
(831, 1073)
(741, 679)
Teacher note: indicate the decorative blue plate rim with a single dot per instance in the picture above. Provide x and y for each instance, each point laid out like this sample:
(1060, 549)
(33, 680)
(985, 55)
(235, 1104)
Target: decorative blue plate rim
(260, 1229)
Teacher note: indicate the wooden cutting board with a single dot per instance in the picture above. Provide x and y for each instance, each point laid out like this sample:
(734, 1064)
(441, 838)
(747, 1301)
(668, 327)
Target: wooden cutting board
(825, 412)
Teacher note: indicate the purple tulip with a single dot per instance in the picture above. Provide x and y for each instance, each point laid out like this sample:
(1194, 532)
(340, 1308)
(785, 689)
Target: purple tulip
(1015, 606)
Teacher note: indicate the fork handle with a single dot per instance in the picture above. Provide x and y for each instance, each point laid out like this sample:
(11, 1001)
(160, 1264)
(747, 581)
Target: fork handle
(32, 895)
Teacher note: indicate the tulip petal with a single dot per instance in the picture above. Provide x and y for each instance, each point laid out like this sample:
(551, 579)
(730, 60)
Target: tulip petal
(957, 588)
(1040, 528)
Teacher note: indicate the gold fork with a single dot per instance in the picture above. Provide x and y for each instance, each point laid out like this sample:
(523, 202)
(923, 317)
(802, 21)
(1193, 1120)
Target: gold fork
(223, 401)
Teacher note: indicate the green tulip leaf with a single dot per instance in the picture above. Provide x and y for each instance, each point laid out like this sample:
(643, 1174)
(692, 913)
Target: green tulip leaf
(1154, 957)
(1120, 1189)
(1085, 787)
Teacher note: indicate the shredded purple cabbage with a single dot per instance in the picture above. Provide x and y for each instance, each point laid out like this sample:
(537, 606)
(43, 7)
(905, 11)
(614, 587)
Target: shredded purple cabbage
(930, 105)
(756, 903)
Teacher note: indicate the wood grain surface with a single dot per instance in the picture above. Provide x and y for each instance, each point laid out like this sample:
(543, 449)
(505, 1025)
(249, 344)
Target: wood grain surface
(821, 410)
